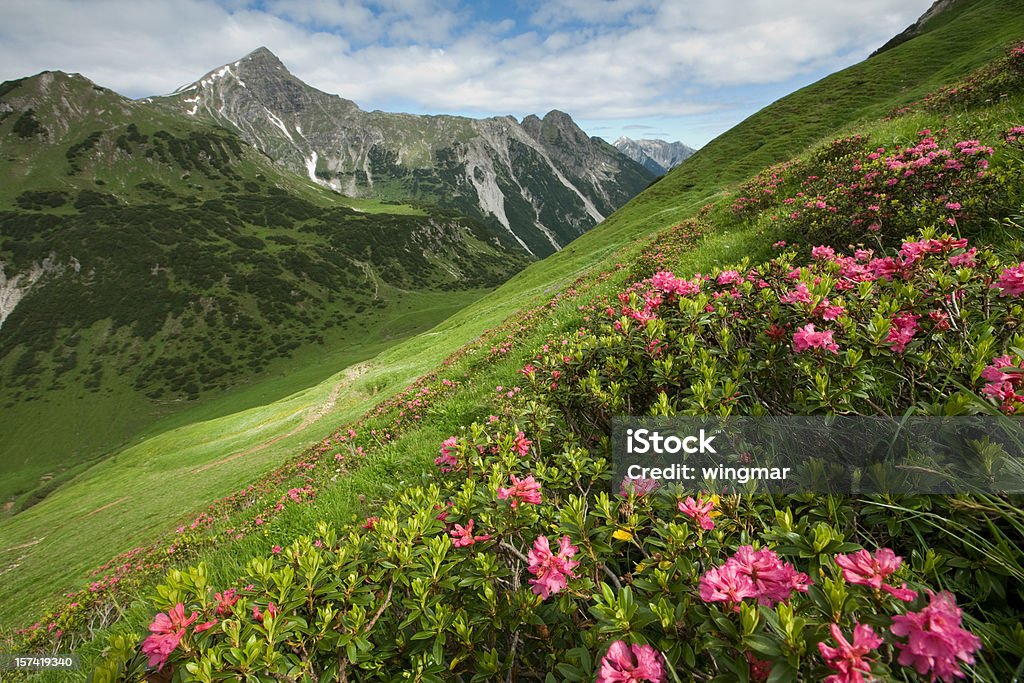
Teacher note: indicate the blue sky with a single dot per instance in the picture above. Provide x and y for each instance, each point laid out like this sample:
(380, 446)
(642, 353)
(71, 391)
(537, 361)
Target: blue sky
(680, 70)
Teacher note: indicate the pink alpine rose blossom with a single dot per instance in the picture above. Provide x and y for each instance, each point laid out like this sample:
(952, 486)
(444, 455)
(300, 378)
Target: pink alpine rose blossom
(167, 631)
(726, 584)
(204, 626)
(226, 600)
(822, 253)
(552, 570)
(902, 331)
(1011, 281)
(774, 580)
(463, 535)
(800, 294)
(807, 338)
(631, 664)
(522, 444)
(728, 277)
(522, 490)
(668, 283)
(996, 372)
(864, 569)
(638, 486)
(828, 310)
(935, 641)
(964, 260)
(849, 658)
(699, 510)
(752, 573)
(447, 461)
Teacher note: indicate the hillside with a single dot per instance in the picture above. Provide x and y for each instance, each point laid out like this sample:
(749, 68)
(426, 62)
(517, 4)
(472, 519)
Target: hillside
(442, 505)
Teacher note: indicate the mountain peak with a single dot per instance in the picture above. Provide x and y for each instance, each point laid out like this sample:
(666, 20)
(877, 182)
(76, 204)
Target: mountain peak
(657, 156)
(263, 55)
(558, 116)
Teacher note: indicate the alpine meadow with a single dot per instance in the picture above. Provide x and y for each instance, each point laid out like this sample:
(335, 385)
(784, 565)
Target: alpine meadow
(296, 391)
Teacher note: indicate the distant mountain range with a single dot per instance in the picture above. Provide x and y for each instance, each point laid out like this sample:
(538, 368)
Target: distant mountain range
(544, 181)
(657, 156)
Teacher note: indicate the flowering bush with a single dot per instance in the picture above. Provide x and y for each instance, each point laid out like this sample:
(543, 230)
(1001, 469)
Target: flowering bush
(522, 557)
(892, 192)
(985, 85)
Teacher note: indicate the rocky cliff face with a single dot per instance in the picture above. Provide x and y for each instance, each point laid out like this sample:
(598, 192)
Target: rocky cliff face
(657, 156)
(918, 27)
(544, 181)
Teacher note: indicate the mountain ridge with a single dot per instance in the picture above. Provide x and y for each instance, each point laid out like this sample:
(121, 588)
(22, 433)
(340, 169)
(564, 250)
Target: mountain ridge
(492, 169)
(657, 156)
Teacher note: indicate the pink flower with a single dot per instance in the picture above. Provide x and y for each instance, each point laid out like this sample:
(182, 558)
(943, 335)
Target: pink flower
(522, 444)
(205, 626)
(159, 646)
(965, 260)
(829, 311)
(463, 535)
(726, 584)
(822, 253)
(864, 569)
(670, 284)
(258, 615)
(370, 523)
(799, 295)
(996, 372)
(226, 600)
(806, 338)
(902, 331)
(940, 319)
(849, 659)
(525, 490)
(699, 510)
(1011, 281)
(447, 461)
(631, 664)
(728, 277)
(638, 487)
(167, 631)
(757, 574)
(935, 641)
(774, 580)
(884, 268)
(552, 571)
(276, 550)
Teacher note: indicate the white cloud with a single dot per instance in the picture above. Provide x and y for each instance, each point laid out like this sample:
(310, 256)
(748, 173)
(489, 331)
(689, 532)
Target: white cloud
(597, 59)
(601, 12)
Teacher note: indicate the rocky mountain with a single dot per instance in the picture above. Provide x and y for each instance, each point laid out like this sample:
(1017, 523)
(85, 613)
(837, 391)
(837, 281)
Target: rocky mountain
(657, 156)
(543, 181)
(919, 26)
